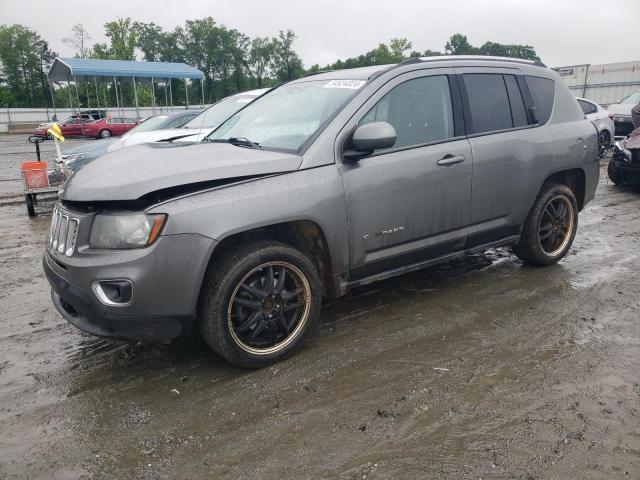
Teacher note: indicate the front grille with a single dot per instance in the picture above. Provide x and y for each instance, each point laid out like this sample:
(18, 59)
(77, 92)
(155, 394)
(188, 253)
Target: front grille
(63, 232)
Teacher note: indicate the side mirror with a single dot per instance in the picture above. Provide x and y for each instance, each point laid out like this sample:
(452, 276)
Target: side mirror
(533, 115)
(370, 137)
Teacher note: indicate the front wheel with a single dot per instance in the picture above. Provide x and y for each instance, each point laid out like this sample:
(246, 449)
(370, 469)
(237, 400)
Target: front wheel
(258, 303)
(105, 133)
(614, 173)
(550, 227)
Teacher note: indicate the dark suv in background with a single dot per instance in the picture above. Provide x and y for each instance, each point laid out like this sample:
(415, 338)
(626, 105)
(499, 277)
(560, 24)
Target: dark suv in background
(324, 183)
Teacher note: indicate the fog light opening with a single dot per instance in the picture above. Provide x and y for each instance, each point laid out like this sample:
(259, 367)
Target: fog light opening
(114, 293)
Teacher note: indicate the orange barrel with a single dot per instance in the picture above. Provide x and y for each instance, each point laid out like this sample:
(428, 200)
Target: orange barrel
(35, 175)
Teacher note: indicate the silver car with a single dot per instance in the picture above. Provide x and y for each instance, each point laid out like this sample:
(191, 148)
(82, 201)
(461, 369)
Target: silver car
(76, 157)
(323, 184)
(602, 120)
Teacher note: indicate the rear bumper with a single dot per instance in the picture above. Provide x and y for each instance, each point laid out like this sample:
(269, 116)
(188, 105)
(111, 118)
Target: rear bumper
(592, 178)
(79, 308)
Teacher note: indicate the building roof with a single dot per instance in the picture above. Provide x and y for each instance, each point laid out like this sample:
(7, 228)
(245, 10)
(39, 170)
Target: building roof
(64, 69)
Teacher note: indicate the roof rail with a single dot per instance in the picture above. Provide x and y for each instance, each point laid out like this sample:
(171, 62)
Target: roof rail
(485, 58)
(311, 74)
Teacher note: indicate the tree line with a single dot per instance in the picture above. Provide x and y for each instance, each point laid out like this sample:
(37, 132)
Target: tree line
(230, 60)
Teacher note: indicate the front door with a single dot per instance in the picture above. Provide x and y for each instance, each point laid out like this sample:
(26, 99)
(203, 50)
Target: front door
(408, 203)
(73, 128)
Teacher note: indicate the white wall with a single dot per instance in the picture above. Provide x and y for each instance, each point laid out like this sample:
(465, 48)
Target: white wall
(605, 83)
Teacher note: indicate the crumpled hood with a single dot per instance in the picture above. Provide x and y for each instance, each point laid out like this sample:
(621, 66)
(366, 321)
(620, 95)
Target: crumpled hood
(130, 173)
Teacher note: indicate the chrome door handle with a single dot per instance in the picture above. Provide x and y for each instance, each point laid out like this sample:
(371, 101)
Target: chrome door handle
(449, 160)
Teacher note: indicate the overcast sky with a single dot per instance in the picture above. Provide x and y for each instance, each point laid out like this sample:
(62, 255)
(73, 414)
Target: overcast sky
(563, 32)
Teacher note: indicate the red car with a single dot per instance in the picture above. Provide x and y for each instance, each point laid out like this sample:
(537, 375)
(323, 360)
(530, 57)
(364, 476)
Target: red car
(108, 127)
(71, 127)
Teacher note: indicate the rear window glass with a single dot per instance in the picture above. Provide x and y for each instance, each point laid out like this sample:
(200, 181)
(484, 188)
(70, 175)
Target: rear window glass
(542, 91)
(587, 107)
(488, 102)
(518, 111)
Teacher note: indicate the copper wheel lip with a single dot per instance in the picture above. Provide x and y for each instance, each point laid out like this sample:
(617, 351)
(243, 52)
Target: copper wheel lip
(301, 322)
(569, 224)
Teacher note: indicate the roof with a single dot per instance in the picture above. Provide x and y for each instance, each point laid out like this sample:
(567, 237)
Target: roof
(359, 73)
(65, 68)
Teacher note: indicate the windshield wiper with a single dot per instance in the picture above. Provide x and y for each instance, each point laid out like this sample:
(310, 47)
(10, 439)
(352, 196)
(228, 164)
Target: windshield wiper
(238, 142)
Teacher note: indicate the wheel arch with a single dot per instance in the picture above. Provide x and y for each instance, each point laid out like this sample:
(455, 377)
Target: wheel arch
(305, 235)
(573, 178)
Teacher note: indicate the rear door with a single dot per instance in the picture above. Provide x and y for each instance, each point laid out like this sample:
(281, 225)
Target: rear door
(507, 156)
(116, 126)
(408, 203)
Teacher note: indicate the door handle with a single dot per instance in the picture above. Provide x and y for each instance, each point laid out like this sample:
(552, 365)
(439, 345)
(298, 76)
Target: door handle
(449, 160)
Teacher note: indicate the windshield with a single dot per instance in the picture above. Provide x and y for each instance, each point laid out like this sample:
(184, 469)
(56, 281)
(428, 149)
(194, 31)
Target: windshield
(219, 112)
(634, 98)
(287, 117)
(152, 123)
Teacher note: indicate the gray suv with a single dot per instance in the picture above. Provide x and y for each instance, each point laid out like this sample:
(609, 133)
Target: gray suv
(325, 183)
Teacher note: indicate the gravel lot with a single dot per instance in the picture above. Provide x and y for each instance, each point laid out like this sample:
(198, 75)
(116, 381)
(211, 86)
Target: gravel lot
(479, 368)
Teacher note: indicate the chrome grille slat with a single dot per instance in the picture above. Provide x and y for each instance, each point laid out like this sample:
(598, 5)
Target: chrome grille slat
(56, 233)
(63, 232)
(72, 234)
(54, 225)
(62, 235)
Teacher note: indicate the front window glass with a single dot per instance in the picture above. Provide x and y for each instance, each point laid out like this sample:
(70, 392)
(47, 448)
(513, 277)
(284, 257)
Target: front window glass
(419, 110)
(218, 113)
(287, 117)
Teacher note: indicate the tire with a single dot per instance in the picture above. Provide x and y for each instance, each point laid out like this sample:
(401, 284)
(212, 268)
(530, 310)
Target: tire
(237, 303)
(614, 173)
(29, 200)
(545, 238)
(604, 142)
(105, 133)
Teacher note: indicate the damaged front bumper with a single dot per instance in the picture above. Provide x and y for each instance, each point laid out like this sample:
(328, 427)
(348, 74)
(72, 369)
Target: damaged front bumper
(165, 284)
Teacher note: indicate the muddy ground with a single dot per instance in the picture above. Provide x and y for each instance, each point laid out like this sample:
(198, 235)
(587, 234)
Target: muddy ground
(481, 368)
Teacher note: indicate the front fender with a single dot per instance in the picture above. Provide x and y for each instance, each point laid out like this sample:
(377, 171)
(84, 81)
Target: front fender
(316, 195)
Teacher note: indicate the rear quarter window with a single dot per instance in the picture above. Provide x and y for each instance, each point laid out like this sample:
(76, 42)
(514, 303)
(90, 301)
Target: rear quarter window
(543, 92)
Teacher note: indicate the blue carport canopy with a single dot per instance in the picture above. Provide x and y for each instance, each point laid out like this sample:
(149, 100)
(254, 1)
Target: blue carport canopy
(64, 69)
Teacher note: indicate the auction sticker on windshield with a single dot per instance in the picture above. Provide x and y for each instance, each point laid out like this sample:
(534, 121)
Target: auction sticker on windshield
(352, 84)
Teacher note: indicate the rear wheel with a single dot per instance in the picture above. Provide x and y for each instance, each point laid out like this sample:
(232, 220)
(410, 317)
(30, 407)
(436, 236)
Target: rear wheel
(105, 133)
(550, 227)
(30, 201)
(258, 303)
(604, 142)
